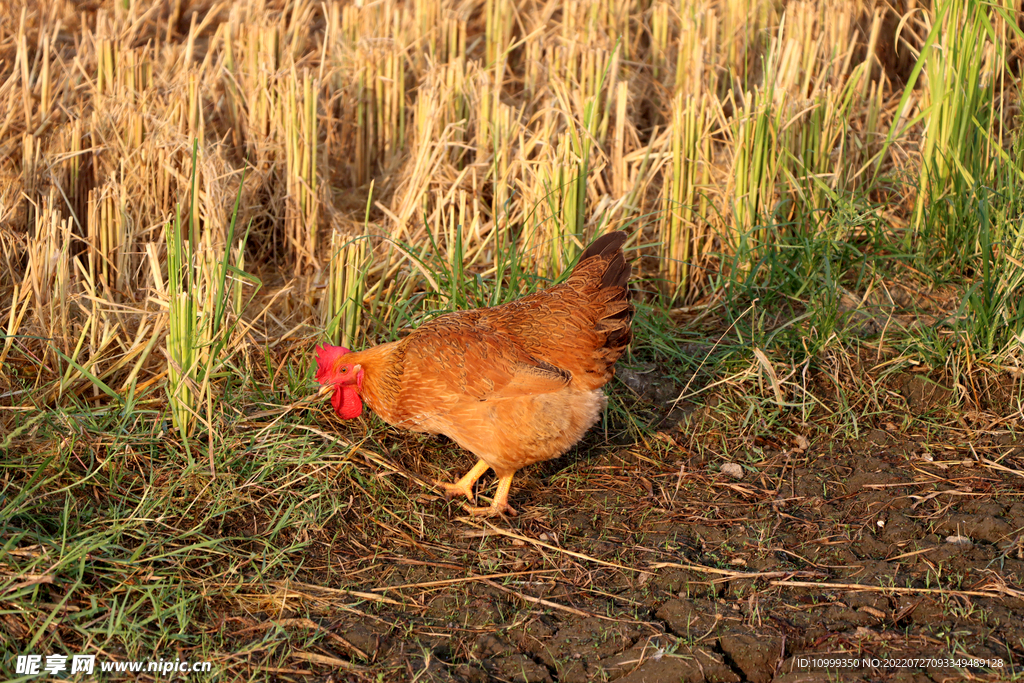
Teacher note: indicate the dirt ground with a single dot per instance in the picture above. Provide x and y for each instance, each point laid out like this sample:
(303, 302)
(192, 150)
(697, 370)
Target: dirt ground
(892, 556)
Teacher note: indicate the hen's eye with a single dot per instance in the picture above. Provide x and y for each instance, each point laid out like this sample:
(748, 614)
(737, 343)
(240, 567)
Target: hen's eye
(344, 370)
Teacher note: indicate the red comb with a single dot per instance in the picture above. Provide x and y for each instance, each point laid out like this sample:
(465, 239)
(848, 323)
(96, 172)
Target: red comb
(326, 360)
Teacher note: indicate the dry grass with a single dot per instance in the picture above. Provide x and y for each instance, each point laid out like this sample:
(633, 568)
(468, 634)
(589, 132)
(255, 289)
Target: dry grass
(482, 127)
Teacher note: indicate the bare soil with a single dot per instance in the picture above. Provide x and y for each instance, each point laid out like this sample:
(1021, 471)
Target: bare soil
(645, 562)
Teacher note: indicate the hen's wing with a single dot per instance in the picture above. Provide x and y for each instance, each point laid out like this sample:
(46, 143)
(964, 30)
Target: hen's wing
(474, 359)
(569, 334)
(458, 357)
(581, 326)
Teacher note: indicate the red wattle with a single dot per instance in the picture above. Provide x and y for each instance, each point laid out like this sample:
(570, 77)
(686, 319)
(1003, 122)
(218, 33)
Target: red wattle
(346, 402)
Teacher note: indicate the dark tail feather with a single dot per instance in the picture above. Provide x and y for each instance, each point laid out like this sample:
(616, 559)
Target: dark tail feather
(619, 312)
(620, 327)
(617, 272)
(604, 245)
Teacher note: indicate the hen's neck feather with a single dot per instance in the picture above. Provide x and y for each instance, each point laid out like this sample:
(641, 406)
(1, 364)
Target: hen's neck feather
(381, 370)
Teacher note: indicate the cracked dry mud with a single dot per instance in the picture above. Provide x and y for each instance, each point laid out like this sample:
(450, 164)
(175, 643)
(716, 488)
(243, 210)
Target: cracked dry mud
(624, 567)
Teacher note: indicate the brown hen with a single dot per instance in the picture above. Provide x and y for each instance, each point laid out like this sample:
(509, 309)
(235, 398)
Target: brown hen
(513, 384)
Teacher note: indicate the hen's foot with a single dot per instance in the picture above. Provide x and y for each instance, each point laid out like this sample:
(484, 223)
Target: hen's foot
(464, 486)
(492, 510)
(500, 504)
(457, 489)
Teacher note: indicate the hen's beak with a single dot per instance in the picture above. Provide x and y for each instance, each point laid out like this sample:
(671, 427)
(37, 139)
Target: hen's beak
(325, 391)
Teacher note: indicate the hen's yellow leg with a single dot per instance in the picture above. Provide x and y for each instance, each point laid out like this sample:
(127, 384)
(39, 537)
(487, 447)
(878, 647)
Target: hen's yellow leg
(464, 486)
(500, 504)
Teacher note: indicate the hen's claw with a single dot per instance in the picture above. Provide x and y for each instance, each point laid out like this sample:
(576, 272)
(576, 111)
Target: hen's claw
(464, 486)
(457, 489)
(499, 506)
(492, 510)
